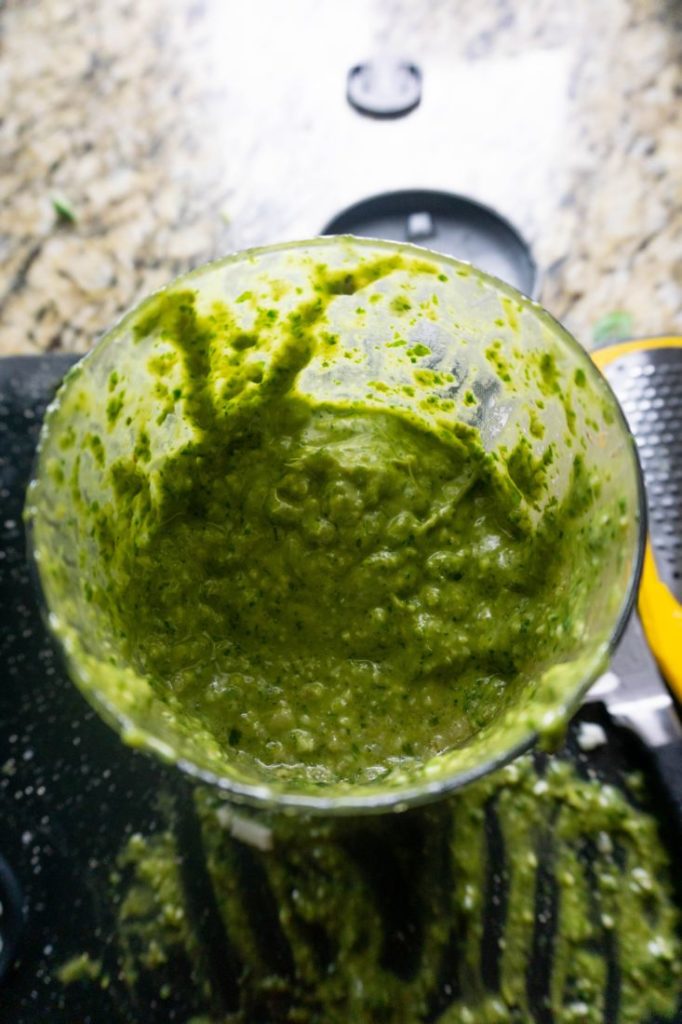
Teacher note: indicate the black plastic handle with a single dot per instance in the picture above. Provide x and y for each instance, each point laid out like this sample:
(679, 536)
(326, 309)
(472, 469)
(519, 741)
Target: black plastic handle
(11, 916)
(667, 764)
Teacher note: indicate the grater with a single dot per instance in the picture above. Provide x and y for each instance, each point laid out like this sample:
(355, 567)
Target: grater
(646, 376)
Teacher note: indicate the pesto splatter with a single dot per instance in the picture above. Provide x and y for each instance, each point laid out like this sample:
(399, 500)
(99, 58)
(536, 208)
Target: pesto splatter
(536, 892)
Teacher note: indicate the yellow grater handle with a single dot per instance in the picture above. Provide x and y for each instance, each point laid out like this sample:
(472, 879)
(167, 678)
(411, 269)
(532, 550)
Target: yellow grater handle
(659, 610)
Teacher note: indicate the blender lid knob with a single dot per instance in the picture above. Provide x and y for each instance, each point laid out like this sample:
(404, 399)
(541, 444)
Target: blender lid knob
(384, 87)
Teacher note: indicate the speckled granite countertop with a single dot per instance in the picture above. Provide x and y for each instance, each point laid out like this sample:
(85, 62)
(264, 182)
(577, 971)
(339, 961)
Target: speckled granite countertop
(179, 130)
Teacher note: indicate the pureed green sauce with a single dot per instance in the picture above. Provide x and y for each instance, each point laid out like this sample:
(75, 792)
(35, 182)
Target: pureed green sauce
(330, 588)
(540, 894)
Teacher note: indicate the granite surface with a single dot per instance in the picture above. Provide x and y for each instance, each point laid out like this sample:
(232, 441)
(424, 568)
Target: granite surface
(174, 131)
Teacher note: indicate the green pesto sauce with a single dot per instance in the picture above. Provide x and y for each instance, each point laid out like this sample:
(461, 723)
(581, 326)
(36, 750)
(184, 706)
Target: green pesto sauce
(331, 589)
(79, 968)
(313, 939)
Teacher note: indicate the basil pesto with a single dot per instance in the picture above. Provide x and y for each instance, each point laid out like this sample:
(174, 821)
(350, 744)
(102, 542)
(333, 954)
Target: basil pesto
(333, 586)
(324, 532)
